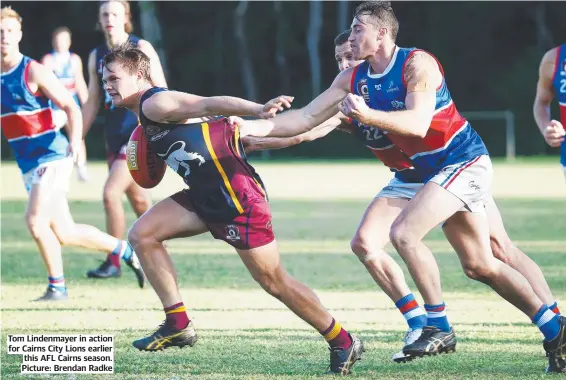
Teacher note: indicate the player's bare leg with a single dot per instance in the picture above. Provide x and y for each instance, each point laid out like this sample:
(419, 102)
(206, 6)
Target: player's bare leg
(139, 198)
(469, 235)
(119, 179)
(38, 219)
(83, 235)
(264, 264)
(369, 243)
(504, 249)
(166, 220)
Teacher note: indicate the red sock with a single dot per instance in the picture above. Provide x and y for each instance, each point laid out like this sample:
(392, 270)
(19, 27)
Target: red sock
(336, 336)
(114, 259)
(176, 316)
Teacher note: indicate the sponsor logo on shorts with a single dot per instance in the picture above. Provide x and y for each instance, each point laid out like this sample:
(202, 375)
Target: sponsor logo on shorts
(474, 186)
(131, 155)
(268, 225)
(152, 130)
(41, 171)
(159, 135)
(232, 232)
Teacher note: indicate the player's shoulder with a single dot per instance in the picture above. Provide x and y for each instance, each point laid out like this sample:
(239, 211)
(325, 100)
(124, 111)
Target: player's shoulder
(550, 55)
(145, 46)
(344, 78)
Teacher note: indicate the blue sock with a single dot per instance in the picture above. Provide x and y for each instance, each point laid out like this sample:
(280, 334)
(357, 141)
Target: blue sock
(436, 316)
(413, 313)
(123, 250)
(547, 323)
(57, 283)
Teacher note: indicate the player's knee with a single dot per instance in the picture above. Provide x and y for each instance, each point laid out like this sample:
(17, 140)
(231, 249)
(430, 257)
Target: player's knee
(365, 249)
(479, 270)
(140, 234)
(111, 197)
(36, 225)
(140, 202)
(401, 238)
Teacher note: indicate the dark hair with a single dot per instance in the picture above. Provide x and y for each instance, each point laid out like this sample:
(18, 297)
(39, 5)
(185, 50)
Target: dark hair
(342, 38)
(130, 58)
(61, 29)
(128, 27)
(382, 12)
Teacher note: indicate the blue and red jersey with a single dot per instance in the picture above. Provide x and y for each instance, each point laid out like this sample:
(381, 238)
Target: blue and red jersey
(559, 84)
(27, 120)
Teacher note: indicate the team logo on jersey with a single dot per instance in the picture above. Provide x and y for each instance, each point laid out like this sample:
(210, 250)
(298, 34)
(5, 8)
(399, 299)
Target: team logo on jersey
(363, 90)
(152, 129)
(378, 87)
(392, 87)
(232, 232)
(180, 160)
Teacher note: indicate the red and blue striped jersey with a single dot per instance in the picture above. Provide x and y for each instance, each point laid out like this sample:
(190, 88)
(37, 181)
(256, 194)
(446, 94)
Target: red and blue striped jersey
(559, 84)
(449, 140)
(27, 121)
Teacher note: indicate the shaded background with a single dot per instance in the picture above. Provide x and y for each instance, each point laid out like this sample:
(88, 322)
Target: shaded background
(490, 52)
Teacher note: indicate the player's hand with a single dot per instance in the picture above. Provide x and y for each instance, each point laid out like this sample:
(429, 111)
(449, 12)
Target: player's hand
(554, 133)
(276, 105)
(235, 120)
(354, 106)
(74, 150)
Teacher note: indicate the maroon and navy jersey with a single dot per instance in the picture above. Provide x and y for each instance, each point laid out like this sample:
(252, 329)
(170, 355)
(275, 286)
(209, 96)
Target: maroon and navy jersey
(450, 138)
(211, 160)
(27, 121)
(559, 84)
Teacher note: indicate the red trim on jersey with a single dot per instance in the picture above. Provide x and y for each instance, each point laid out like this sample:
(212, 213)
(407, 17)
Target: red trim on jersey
(353, 79)
(556, 62)
(461, 170)
(15, 126)
(393, 158)
(26, 80)
(426, 52)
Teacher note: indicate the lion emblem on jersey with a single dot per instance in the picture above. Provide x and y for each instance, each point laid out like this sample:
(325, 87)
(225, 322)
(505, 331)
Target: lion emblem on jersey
(180, 160)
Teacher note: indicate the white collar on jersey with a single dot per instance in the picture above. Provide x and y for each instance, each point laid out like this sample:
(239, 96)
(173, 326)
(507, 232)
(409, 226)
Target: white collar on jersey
(387, 69)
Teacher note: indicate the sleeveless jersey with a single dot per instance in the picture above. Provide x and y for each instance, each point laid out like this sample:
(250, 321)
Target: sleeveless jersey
(120, 122)
(559, 83)
(27, 121)
(211, 160)
(62, 66)
(450, 138)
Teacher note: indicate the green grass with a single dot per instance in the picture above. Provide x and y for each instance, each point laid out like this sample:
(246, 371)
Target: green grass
(245, 334)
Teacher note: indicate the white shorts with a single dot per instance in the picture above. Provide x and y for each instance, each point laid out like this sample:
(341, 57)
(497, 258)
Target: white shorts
(53, 174)
(470, 181)
(399, 189)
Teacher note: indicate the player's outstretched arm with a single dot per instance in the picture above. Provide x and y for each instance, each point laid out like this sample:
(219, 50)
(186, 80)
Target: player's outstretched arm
(170, 106)
(90, 108)
(49, 85)
(422, 76)
(80, 83)
(552, 130)
(252, 144)
(294, 123)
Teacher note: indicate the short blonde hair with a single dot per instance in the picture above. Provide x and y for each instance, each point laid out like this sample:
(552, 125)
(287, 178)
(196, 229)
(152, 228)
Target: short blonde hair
(8, 12)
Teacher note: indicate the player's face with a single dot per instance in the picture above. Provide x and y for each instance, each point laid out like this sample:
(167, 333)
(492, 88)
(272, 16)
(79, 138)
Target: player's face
(11, 35)
(62, 41)
(345, 57)
(112, 18)
(119, 84)
(364, 38)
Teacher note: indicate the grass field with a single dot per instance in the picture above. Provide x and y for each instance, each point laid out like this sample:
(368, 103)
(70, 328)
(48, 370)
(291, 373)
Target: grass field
(245, 334)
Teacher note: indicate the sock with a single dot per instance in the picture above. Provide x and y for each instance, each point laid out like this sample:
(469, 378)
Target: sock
(122, 250)
(336, 336)
(547, 323)
(57, 283)
(436, 316)
(413, 313)
(554, 308)
(176, 316)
